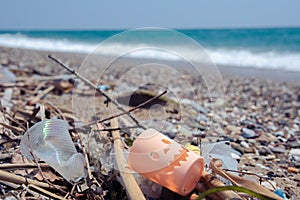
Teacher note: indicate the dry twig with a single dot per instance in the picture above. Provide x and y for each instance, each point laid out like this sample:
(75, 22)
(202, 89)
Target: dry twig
(88, 82)
(9, 166)
(41, 95)
(132, 188)
(126, 112)
(10, 177)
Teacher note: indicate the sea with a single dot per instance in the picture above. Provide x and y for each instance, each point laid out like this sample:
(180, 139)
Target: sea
(273, 48)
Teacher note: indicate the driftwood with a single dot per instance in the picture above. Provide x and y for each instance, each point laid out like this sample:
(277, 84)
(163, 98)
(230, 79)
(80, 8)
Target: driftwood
(131, 186)
(10, 177)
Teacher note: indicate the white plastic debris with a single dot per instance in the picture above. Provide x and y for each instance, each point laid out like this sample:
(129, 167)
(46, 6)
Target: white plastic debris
(6, 75)
(50, 141)
(222, 151)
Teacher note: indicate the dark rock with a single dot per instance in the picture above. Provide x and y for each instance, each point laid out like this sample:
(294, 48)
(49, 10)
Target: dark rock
(264, 151)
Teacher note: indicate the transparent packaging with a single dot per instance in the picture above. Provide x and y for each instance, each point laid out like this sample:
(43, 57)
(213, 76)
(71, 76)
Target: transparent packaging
(50, 141)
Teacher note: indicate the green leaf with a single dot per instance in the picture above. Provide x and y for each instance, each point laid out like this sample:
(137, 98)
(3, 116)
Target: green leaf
(234, 188)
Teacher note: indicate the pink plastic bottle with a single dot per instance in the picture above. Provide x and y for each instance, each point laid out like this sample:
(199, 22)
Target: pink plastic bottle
(165, 162)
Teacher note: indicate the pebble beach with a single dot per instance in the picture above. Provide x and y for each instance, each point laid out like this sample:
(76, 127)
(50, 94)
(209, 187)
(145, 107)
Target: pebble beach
(260, 115)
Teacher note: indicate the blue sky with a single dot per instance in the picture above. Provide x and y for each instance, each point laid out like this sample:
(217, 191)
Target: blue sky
(94, 14)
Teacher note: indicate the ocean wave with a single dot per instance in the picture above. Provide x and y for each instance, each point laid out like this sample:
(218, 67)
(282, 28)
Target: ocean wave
(22, 41)
(220, 56)
(269, 59)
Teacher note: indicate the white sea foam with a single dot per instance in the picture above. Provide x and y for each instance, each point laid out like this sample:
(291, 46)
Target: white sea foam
(220, 56)
(21, 41)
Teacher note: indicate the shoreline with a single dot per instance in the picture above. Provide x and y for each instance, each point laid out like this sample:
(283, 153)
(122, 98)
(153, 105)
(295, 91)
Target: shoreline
(259, 114)
(277, 75)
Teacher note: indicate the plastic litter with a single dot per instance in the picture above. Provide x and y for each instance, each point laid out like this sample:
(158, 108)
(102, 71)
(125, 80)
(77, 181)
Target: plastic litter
(164, 161)
(6, 75)
(103, 87)
(220, 150)
(281, 193)
(49, 140)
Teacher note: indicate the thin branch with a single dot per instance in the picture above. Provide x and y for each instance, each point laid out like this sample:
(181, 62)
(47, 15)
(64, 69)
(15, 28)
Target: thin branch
(126, 112)
(92, 85)
(116, 129)
(41, 95)
(9, 166)
(253, 174)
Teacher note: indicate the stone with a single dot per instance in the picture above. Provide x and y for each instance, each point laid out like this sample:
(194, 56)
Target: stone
(248, 133)
(295, 155)
(244, 144)
(294, 144)
(278, 149)
(264, 151)
(279, 133)
(202, 117)
(270, 157)
(272, 128)
(233, 129)
(199, 108)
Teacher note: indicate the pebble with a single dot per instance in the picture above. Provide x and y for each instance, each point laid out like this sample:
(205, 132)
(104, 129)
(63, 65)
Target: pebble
(272, 128)
(199, 108)
(295, 152)
(295, 155)
(216, 118)
(294, 144)
(270, 157)
(202, 117)
(278, 149)
(282, 139)
(244, 144)
(279, 134)
(261, 166)
(233, 129)
(248, 133)
(264, 151)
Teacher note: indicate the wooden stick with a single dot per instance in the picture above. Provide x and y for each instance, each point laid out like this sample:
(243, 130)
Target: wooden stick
(10, 177)
(13, 128)
(46, 78)
(211, 181)
(41, 95)
(92, 85)
(9, 166)
(131, 186)
(45, 192)
(35, 194)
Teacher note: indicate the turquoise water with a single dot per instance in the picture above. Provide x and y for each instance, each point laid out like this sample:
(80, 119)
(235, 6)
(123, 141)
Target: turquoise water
(263, 47)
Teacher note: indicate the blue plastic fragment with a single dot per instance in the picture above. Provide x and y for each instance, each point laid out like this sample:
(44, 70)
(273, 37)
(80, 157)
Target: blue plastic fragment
(103, 87)
(281, 193)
